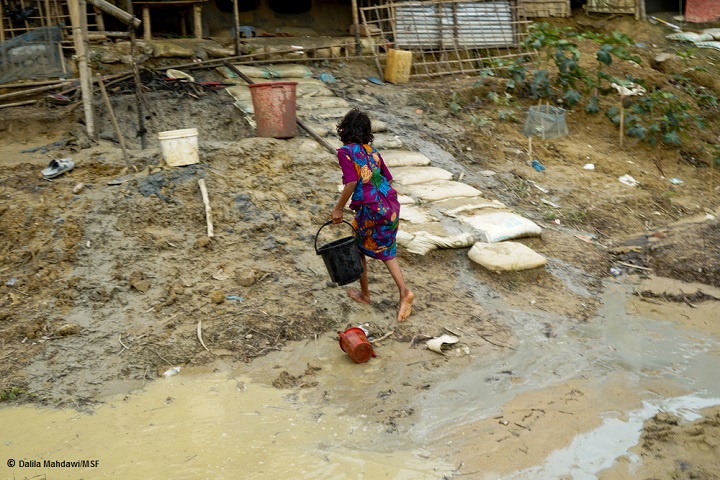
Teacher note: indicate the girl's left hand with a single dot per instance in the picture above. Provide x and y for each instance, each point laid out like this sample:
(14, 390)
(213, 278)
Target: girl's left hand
(336, 215)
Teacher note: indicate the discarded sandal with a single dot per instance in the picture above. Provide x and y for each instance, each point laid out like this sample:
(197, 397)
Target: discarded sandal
(57, 167)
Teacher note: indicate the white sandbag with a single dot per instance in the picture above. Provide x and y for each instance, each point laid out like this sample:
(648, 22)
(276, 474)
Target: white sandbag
(328, 114)
(499, 226)
(403, 158)
(715, 45)
(690, 37)
(714, 32)
(423, 242)
(406, 200)
(416, 175)
(439, 190)
(385, 141)
(269, 72)
(473, 206)
(414, 214)
(377, 126)
(312, 103)
(505, 256)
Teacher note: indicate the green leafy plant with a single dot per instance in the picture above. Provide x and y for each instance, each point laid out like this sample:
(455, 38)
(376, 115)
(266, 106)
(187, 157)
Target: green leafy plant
(454, 104)
(507, 115)
(480, 121)
(661, 117)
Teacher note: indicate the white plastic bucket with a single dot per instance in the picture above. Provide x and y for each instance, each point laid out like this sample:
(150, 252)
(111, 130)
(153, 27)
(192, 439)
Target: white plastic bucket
(179, 147)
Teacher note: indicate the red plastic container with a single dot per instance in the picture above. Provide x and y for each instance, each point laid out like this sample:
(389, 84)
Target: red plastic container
(274, 105)
(354, 342)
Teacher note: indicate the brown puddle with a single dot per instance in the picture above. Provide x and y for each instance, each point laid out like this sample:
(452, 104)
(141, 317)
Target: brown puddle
(203, 426)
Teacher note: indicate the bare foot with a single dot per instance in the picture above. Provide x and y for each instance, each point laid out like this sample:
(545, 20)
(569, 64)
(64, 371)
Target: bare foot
(358, 296)
(405, 306)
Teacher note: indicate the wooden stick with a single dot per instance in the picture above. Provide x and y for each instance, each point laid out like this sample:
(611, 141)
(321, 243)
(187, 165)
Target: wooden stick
(29, 84)
(18, 104)
(118, 133)
(199, 332)
(630, 265)
(622, 123)
(31, 91)
(62, 58)
(530, 146)
(208, 211)
(383, 337)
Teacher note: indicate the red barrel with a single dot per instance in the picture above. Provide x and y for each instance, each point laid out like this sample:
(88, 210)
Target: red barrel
(354, 342)
(274, 106)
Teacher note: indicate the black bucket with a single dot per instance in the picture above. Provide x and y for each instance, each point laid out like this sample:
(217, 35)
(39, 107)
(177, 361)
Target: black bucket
(341, 257)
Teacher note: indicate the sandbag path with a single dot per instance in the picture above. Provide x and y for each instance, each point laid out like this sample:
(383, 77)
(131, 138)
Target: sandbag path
(438, 210)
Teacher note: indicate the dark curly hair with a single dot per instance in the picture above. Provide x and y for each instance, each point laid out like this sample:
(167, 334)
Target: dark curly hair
(355, 127)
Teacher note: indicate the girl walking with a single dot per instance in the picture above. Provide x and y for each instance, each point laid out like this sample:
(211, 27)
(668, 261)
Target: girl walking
(377, 210)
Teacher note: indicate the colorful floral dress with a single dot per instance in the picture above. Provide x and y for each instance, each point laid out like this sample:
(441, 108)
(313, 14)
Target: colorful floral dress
(377, 210)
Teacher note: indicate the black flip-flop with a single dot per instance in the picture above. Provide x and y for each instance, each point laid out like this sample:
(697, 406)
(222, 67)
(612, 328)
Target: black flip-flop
(57, 167)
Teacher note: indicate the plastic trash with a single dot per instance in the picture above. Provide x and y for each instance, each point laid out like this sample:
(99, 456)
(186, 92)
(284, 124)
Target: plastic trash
(615, 272)
(628, 180)
(589, 166)
(436, 344)
(675, 181)
(11, 282)
(376, 81)
(326, 78)
(172, 372)
(538, 166)
(234, 298)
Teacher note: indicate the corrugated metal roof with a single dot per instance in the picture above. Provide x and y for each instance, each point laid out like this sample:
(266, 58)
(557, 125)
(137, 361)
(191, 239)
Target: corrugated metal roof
(454, 24)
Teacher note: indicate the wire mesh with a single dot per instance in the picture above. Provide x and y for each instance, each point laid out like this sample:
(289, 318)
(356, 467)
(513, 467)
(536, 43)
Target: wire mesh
(33, 55)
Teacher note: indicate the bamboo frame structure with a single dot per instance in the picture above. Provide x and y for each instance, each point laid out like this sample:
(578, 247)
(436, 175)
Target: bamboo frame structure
(47, 13)
(457, 50)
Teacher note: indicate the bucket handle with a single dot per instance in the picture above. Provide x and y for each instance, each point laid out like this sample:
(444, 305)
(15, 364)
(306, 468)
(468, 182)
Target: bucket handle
(325, 225)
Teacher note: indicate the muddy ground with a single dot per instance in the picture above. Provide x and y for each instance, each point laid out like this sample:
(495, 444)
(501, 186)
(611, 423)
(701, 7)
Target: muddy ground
(108, 275)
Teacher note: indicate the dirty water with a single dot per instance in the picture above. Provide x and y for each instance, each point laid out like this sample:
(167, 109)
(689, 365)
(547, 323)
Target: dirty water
(205, 425)
(218, 424)
(598, 449)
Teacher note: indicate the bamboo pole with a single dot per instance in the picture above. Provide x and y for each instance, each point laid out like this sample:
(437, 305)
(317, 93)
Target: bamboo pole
(119, 13)
(142, 133)
(87, 80)
(25, 93)
(48, 21)
(147, 31)
(236, 20)
(61, 56)
(99, 20)
(118, 133)
(18, 104)
(197, 21)
(80, 50)
(356, 24)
